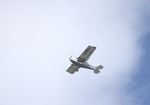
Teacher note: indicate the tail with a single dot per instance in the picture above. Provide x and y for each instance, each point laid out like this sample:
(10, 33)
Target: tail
(96, 71)
(99, 67)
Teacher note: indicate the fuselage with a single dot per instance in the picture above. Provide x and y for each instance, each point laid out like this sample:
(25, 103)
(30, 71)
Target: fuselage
(82, 64)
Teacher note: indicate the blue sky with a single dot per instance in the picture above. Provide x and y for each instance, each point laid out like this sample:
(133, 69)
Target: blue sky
(141, 85)
(38, 36)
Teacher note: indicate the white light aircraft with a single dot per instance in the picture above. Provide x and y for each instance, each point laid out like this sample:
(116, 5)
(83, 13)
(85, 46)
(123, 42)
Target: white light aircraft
(81, 61)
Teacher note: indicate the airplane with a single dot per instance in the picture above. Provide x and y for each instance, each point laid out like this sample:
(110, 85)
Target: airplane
(81, 61)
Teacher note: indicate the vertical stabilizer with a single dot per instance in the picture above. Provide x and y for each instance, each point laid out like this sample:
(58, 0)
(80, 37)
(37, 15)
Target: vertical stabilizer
(96, 71)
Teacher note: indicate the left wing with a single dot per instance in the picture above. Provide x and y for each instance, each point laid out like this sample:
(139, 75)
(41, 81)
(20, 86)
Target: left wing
(72, 69)
(86, 54)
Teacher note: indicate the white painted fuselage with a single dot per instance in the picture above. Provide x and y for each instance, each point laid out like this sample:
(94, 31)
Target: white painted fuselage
(85, 65)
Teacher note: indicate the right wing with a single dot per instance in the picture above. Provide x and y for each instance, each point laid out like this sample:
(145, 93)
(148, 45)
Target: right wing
(72, 69)
(86, 54)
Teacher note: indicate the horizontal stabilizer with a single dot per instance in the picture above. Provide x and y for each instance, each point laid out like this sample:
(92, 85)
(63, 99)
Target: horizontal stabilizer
(99, 67)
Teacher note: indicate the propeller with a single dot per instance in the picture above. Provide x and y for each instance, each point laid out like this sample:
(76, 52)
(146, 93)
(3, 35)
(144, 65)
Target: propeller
(70, 57)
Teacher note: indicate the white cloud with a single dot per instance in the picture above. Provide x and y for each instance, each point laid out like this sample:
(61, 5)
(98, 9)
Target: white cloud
(37, 37)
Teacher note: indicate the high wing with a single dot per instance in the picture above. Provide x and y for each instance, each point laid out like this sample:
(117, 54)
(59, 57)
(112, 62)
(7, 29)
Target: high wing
(72, 69)
(86, 54)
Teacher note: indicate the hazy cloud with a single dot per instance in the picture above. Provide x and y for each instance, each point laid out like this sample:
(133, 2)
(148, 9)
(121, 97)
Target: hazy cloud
(37, 37)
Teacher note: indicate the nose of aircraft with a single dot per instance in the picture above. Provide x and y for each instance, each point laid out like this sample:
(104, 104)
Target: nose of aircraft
(70, 58)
